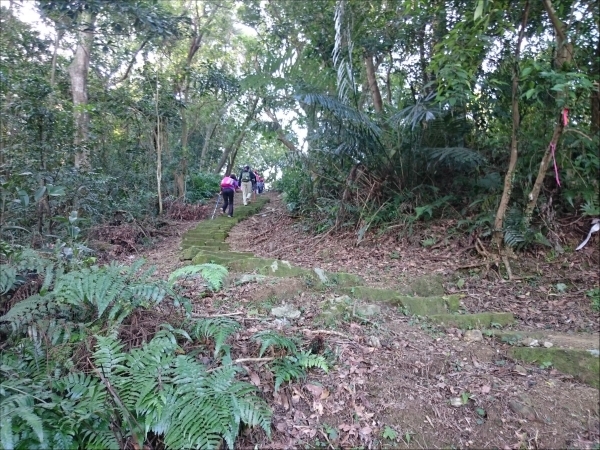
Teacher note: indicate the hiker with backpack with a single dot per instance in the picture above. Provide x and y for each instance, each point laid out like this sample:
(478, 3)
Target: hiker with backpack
(229, 185)
(257, 187)
(247, 179)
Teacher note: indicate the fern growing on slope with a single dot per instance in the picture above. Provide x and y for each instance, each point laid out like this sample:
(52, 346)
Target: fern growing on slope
(293, 367)
(274, 340)
(217, 328)
(214, 274)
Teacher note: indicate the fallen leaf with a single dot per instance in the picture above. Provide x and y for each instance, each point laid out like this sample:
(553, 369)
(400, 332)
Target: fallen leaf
(365, 431)
(315, 390)
(254, 378)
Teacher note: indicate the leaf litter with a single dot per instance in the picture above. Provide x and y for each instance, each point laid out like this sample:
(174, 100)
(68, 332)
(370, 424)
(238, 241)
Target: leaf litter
(408, 383)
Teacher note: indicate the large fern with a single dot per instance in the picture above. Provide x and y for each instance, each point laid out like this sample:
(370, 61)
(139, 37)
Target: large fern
(214, 274)
(217, 328)
(293, 367)
(274, 340)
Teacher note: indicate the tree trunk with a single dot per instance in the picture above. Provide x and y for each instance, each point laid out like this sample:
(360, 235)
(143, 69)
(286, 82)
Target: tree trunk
(281, 137)
(235, 145)
(78, 72)
(210, 131)
(508, 179)
(233, 152)
(159, 147)
(564, 56)
(373, 87)
(595, 97)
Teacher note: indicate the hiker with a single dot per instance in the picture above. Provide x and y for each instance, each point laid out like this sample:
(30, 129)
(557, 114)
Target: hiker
(229, 185)
(260, 184)
(255, 183)
(247, 178)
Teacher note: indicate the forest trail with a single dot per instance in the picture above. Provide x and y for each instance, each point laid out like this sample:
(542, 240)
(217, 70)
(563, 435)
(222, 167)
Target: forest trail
(413, 366)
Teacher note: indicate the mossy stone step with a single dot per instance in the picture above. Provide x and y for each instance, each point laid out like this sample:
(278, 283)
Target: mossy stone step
(479, 320)
(189, 252)
(218, 258)
(210, 234)
(201, 240)
(213, 246)
(421, 306)
(582, 364)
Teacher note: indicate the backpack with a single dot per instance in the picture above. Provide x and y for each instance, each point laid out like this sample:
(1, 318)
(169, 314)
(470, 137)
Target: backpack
(245, 176)
(227, 183)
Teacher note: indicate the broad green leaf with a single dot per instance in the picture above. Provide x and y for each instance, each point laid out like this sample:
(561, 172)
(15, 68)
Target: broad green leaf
(478, 10)
(56, 191)
(23, 197)
(39, 193)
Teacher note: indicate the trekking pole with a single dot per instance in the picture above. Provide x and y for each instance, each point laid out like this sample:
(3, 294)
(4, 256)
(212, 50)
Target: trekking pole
(216, 206)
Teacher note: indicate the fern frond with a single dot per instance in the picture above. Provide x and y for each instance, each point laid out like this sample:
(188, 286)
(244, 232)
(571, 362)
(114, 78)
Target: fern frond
(8, 277)
(218, 328)
(457, 157)
(271, 339)
(109, 355)
(287, 369)
(309, 360)
(214, 274)
(30, 310)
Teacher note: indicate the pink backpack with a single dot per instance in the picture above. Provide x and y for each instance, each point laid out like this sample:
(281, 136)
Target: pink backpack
(228, 182)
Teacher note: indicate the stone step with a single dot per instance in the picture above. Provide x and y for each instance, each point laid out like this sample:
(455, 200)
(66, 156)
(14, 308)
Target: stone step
(576, 354)
(584, 365)
(469, 321)
(420, 306)
(214, 245)
(210, 234)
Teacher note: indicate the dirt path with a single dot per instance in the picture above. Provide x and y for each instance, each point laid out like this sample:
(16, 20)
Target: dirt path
(395, 381)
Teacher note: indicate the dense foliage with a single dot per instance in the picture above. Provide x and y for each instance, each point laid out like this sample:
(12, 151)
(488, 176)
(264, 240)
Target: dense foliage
(71, 376)
(364, 113)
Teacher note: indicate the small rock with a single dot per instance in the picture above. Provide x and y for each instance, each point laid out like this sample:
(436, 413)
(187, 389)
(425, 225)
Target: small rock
(473, 336)
(530, 342)
(548, 344)
(374, 342)
(368, 310)
(249, 278)
(594, 352)
(281, 323)
(286, 311)
(521, 370)
(521, 409)
(321, 274)
(456, 402)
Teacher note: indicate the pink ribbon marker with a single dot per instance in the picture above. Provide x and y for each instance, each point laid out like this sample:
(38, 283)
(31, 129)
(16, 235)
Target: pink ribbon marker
(565, 117)
(552, 149)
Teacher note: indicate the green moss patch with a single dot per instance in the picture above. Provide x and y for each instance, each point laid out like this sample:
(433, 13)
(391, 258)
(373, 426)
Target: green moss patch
(467, 321)
(421, 306)
(584, 366)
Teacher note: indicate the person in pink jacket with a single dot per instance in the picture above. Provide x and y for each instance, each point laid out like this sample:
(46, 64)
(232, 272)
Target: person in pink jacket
(229, 185)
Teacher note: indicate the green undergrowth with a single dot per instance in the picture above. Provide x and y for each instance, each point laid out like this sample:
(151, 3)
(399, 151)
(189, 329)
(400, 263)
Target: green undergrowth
(71, 376)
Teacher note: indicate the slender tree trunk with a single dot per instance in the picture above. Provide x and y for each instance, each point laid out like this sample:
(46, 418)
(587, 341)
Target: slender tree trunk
(233, 148)
(508, 179)
(57, 39)
(210, 131)
(158, 154)
(281, 137)
(595, 97)
(181, 173)
(564, 56)
(233, 152)
(78, 72)
(373, 87)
